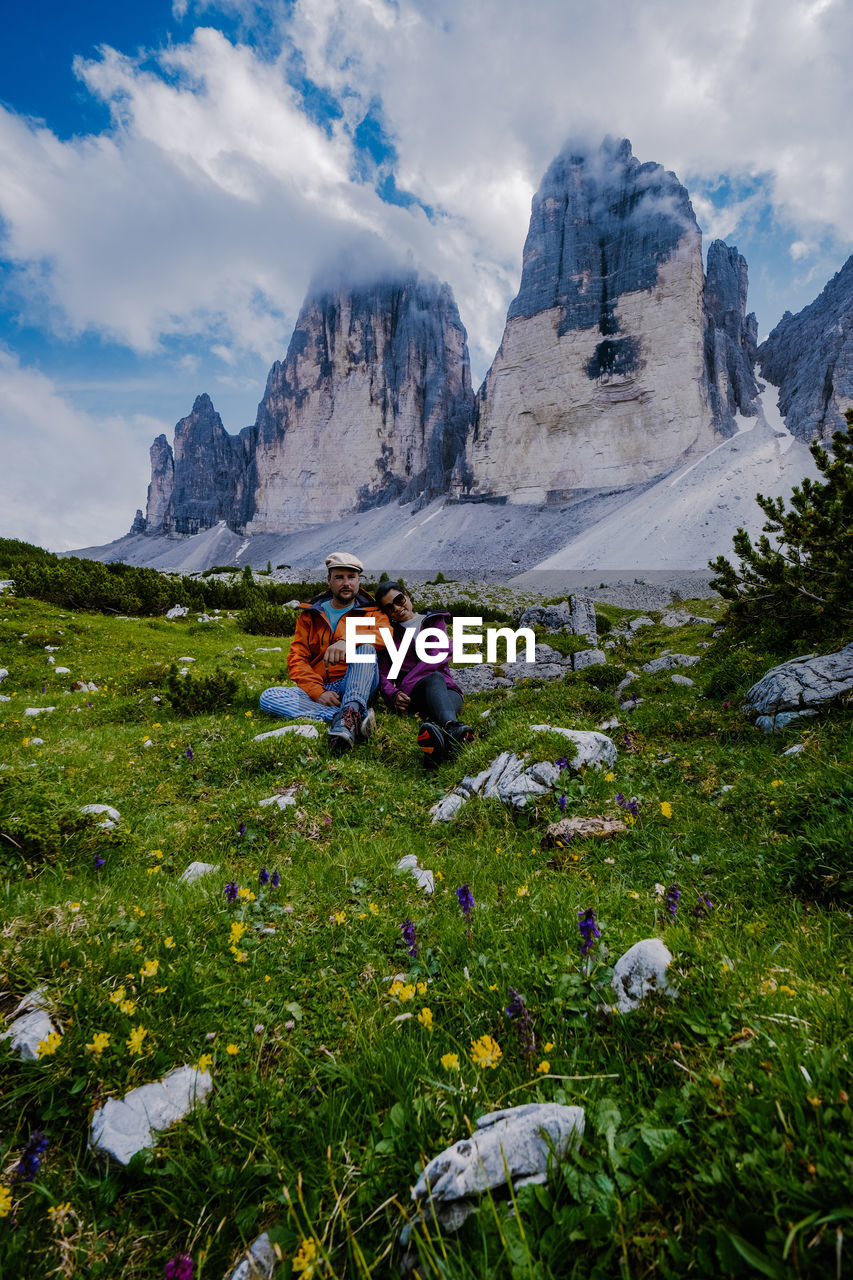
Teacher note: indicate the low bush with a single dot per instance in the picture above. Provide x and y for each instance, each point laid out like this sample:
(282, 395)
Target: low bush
(192, 695)
(263, 618)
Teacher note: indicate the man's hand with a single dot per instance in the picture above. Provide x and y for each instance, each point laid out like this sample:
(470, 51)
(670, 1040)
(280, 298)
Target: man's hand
(328, 698)
(336, 652)
(401, 702)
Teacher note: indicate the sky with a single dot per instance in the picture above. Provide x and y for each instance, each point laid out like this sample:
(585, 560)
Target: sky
(172, 177)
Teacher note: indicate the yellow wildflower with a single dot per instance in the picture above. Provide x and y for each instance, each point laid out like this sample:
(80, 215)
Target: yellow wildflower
(100, 1041)
(666, 808)
(204, 1062)
(608, 777)
(158, 991)
(523, 891)
(422, 988)
(450, 1061)
(168, 943)
(544, 1067)
(240, 956)
(632, 893)
(5, 1202)
(74, 906)
(128, 1006)
(232, 1049)
(402, 990)
(156, 853)
(339, 917)
(134, 1040)
(548, 1047)
(49, 1045)
(304, 1259)
(486, 1052)
(57, 1213)
(245, 895)
(238, 928)
(777, 782)
(373, 908)
(425, 1018)
(439, 875)
(788, 991)
(137, 911)
(149, 968)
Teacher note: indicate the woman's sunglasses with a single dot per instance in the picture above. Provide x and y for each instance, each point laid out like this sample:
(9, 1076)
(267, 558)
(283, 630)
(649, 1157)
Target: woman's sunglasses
(389, 608)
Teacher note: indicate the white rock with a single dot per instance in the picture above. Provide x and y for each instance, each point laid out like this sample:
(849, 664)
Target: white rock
(102, 808)
(52, 648)
(593, 749)
(184, 658)
(612, 723)
(301, 731)
(3, 698)
(281, 801)
(636, 623)
(27, 1031)
(514, 1145)
(62, 671)
(258, 1262)
(92, 687)
(197, 869)
(4, 671)
(588, 658)
(447, 807)
(792, 751)
(36, 742)
(38, 711)
(147, 743)
(121, 1128)
(183, 671)
(628, 678)
(52, 660)
(643, 968)
(424, 878)
(177, 611)
(275, 649)
(683, 680)
(204, 617)
(630, 703)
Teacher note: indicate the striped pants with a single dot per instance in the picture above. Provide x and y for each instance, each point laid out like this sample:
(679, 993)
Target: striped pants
(356, 688)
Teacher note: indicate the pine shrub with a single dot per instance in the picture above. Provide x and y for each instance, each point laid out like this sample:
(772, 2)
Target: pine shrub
(199, 695)
(263, 618)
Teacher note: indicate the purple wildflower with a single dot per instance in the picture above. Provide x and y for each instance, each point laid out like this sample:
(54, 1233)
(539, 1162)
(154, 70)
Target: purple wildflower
(703, 907)
(589, 930)
(466, 900)
(562, 763)
(275, 880)
(632, 806)
(561, 802)
(27, 1166)
(98, 862)
(189, 754)
(231, 891)
(179, 1268)
(44, 688)
(673, 893)
(410, 937)
(263, 876)
(518, 1011)
(241, 830)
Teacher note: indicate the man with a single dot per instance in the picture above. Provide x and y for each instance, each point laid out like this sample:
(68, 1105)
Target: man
(326, 688)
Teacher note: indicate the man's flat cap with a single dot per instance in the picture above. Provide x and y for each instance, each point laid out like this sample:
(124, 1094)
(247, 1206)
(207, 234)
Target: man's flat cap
(343, 560)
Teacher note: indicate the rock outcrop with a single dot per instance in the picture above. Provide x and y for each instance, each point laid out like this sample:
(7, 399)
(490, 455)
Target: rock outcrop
(371, 404)
(809, 357)
(602, 377)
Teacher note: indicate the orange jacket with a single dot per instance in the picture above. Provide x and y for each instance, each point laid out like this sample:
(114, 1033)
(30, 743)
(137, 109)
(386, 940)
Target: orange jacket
(313, 636)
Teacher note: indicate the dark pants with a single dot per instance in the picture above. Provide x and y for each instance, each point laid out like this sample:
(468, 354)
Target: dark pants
(432, 700)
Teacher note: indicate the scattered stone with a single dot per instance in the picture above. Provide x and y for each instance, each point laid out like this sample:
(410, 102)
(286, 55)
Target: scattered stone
(643, 968)
(6, 584)
(282, 801)
(30, 1024)
(62, 671)
(792, 751)
(196, 870)
(681, 618)
(112, 814)
(38, 711)
(184, 658)
(683, 680)
(612, 723)
(593, 749)
(257, 1263)
(4, 672)
(52, 648)
(573, 616)
(626, 680)
(4, 698)
(668, 660)
(52, 660)
(630, 703)
(800, 687)
(636, 623)
(36, 742)
(513, 1145)
(204, 617)
(588, 658)
(479, 679)
(581, 828)
(301, 731)
(121, 1128)
(277, 649)
(534, 670)
(424, 878)
(177, 611)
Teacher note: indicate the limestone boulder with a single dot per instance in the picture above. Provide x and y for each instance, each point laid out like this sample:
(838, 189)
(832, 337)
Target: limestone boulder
(592, 749)
(800, 688)
(123, 1127)
(642, 969)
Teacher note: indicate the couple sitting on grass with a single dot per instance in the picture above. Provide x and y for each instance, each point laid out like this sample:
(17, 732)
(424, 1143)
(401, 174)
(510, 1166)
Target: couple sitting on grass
(327, 688)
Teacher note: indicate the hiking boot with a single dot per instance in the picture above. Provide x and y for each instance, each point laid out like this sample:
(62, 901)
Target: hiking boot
(344, 729)
(458, 735)
(432, 741)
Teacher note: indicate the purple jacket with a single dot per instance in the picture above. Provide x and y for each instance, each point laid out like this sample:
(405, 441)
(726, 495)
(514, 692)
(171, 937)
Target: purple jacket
(413, 670)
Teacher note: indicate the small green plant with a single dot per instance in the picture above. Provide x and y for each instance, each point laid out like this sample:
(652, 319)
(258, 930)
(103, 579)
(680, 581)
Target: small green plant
(199, 695)
(262, 618)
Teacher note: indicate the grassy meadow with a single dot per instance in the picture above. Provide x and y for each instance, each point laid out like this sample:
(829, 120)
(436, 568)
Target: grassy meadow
(718, 1124)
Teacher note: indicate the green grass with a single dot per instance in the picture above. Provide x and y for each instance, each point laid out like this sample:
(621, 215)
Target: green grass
(718, 1133)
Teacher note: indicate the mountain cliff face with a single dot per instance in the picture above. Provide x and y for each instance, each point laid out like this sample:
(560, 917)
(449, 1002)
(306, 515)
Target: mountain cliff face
(372, 403)
(731, 337)
(602, 377)
(809, 357)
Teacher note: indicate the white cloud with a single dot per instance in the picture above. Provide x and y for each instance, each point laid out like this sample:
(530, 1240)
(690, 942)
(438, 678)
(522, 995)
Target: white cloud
(66, 473)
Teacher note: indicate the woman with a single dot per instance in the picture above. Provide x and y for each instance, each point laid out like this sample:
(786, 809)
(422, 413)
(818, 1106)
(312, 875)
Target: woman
(426, 689)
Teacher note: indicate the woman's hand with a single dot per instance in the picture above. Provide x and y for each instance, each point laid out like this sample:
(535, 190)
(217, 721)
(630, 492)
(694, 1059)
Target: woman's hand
(401, 702)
